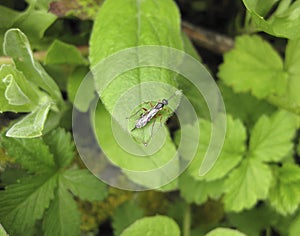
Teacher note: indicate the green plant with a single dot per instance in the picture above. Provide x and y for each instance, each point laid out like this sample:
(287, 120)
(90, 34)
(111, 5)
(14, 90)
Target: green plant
(252, 189)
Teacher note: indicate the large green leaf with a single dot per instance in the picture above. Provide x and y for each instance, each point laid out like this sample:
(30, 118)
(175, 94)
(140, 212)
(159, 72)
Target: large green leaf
(125, 24)
(153, 226)
(246, 68)
(247, 184)
(23, 203)
(62, 218)
(271, 138)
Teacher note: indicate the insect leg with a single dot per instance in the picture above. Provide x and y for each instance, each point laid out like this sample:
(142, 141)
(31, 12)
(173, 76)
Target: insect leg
(137, 113)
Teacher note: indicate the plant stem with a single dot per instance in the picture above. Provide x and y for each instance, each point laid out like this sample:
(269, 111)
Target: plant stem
(187, 220)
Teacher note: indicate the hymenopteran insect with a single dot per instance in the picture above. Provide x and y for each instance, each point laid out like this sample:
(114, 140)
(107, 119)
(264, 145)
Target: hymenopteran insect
(152, 113)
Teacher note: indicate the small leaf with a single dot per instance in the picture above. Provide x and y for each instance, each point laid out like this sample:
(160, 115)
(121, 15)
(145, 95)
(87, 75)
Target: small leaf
(2, 231)
(84, 185)
(16, 45)
(225, 232)
(23, 203)
(285, 193)
(32, 124)
(247, 184)
(153, 226)
(63, 53)
(32, 154)
(246, 68)
(125, 215)
(62, 218)
(271, 138)
(61, 146)
(294, 229)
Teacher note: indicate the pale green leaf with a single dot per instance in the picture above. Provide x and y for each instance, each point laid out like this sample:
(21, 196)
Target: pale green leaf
(32, 124)
(61, 146)
(16, 45)
(23, 203)
(16, 93)
(84, 185)
(63, 53)
(284, 195)
(31, 154)
(153, 226)
(247, 68)
(294, 229)
(225, 232)
(2, 231)
(125, 215)
(246, 185)
(231, 153)
(284, 20)
(271, 137)
(62, 218)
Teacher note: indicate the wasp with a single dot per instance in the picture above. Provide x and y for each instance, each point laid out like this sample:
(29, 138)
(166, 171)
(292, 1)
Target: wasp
(148, 115)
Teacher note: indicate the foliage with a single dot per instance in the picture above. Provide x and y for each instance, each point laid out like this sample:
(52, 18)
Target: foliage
(254, 186)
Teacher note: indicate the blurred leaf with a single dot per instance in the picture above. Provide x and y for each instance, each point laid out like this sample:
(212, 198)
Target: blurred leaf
(63, 53)
(83, 9)
(153, 226)
(225, 232)
(84, 185)
(23, 203)
(294, 229)
(31, 154)
(198, 191)
(125, 215)
(247, 184)
(284, 20)
(62, 217)
(246, 68)
(284, 195)
(2, 231)
(271, 138)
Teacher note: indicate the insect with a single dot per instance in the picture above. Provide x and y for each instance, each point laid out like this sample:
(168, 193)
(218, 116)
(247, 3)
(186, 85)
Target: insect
(148, 115)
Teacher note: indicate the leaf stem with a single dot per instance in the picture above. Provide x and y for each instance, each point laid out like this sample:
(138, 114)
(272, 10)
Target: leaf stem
(186, 220)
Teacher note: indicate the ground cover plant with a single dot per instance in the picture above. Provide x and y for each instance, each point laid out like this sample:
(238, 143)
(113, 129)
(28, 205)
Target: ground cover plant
(47, 185)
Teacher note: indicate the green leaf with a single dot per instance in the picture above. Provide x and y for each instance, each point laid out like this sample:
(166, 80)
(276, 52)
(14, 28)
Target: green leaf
(243, 106)
(125, 215)
(31, 154)
(284, 195)
(292, 63)
(246, 185)
(23, 203)
(84, 185)
(16, 93)
(294, 229)
(2, 231)
(246, 68)
(61, 146)
(225, 232)
(153, 226)
(138, 167)
(137, 19)
(231, 153)
(62, 218)
(271, 138)
(32, 124)
(284, 21)
(198, 191)
(63, 53)
(16, 45)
